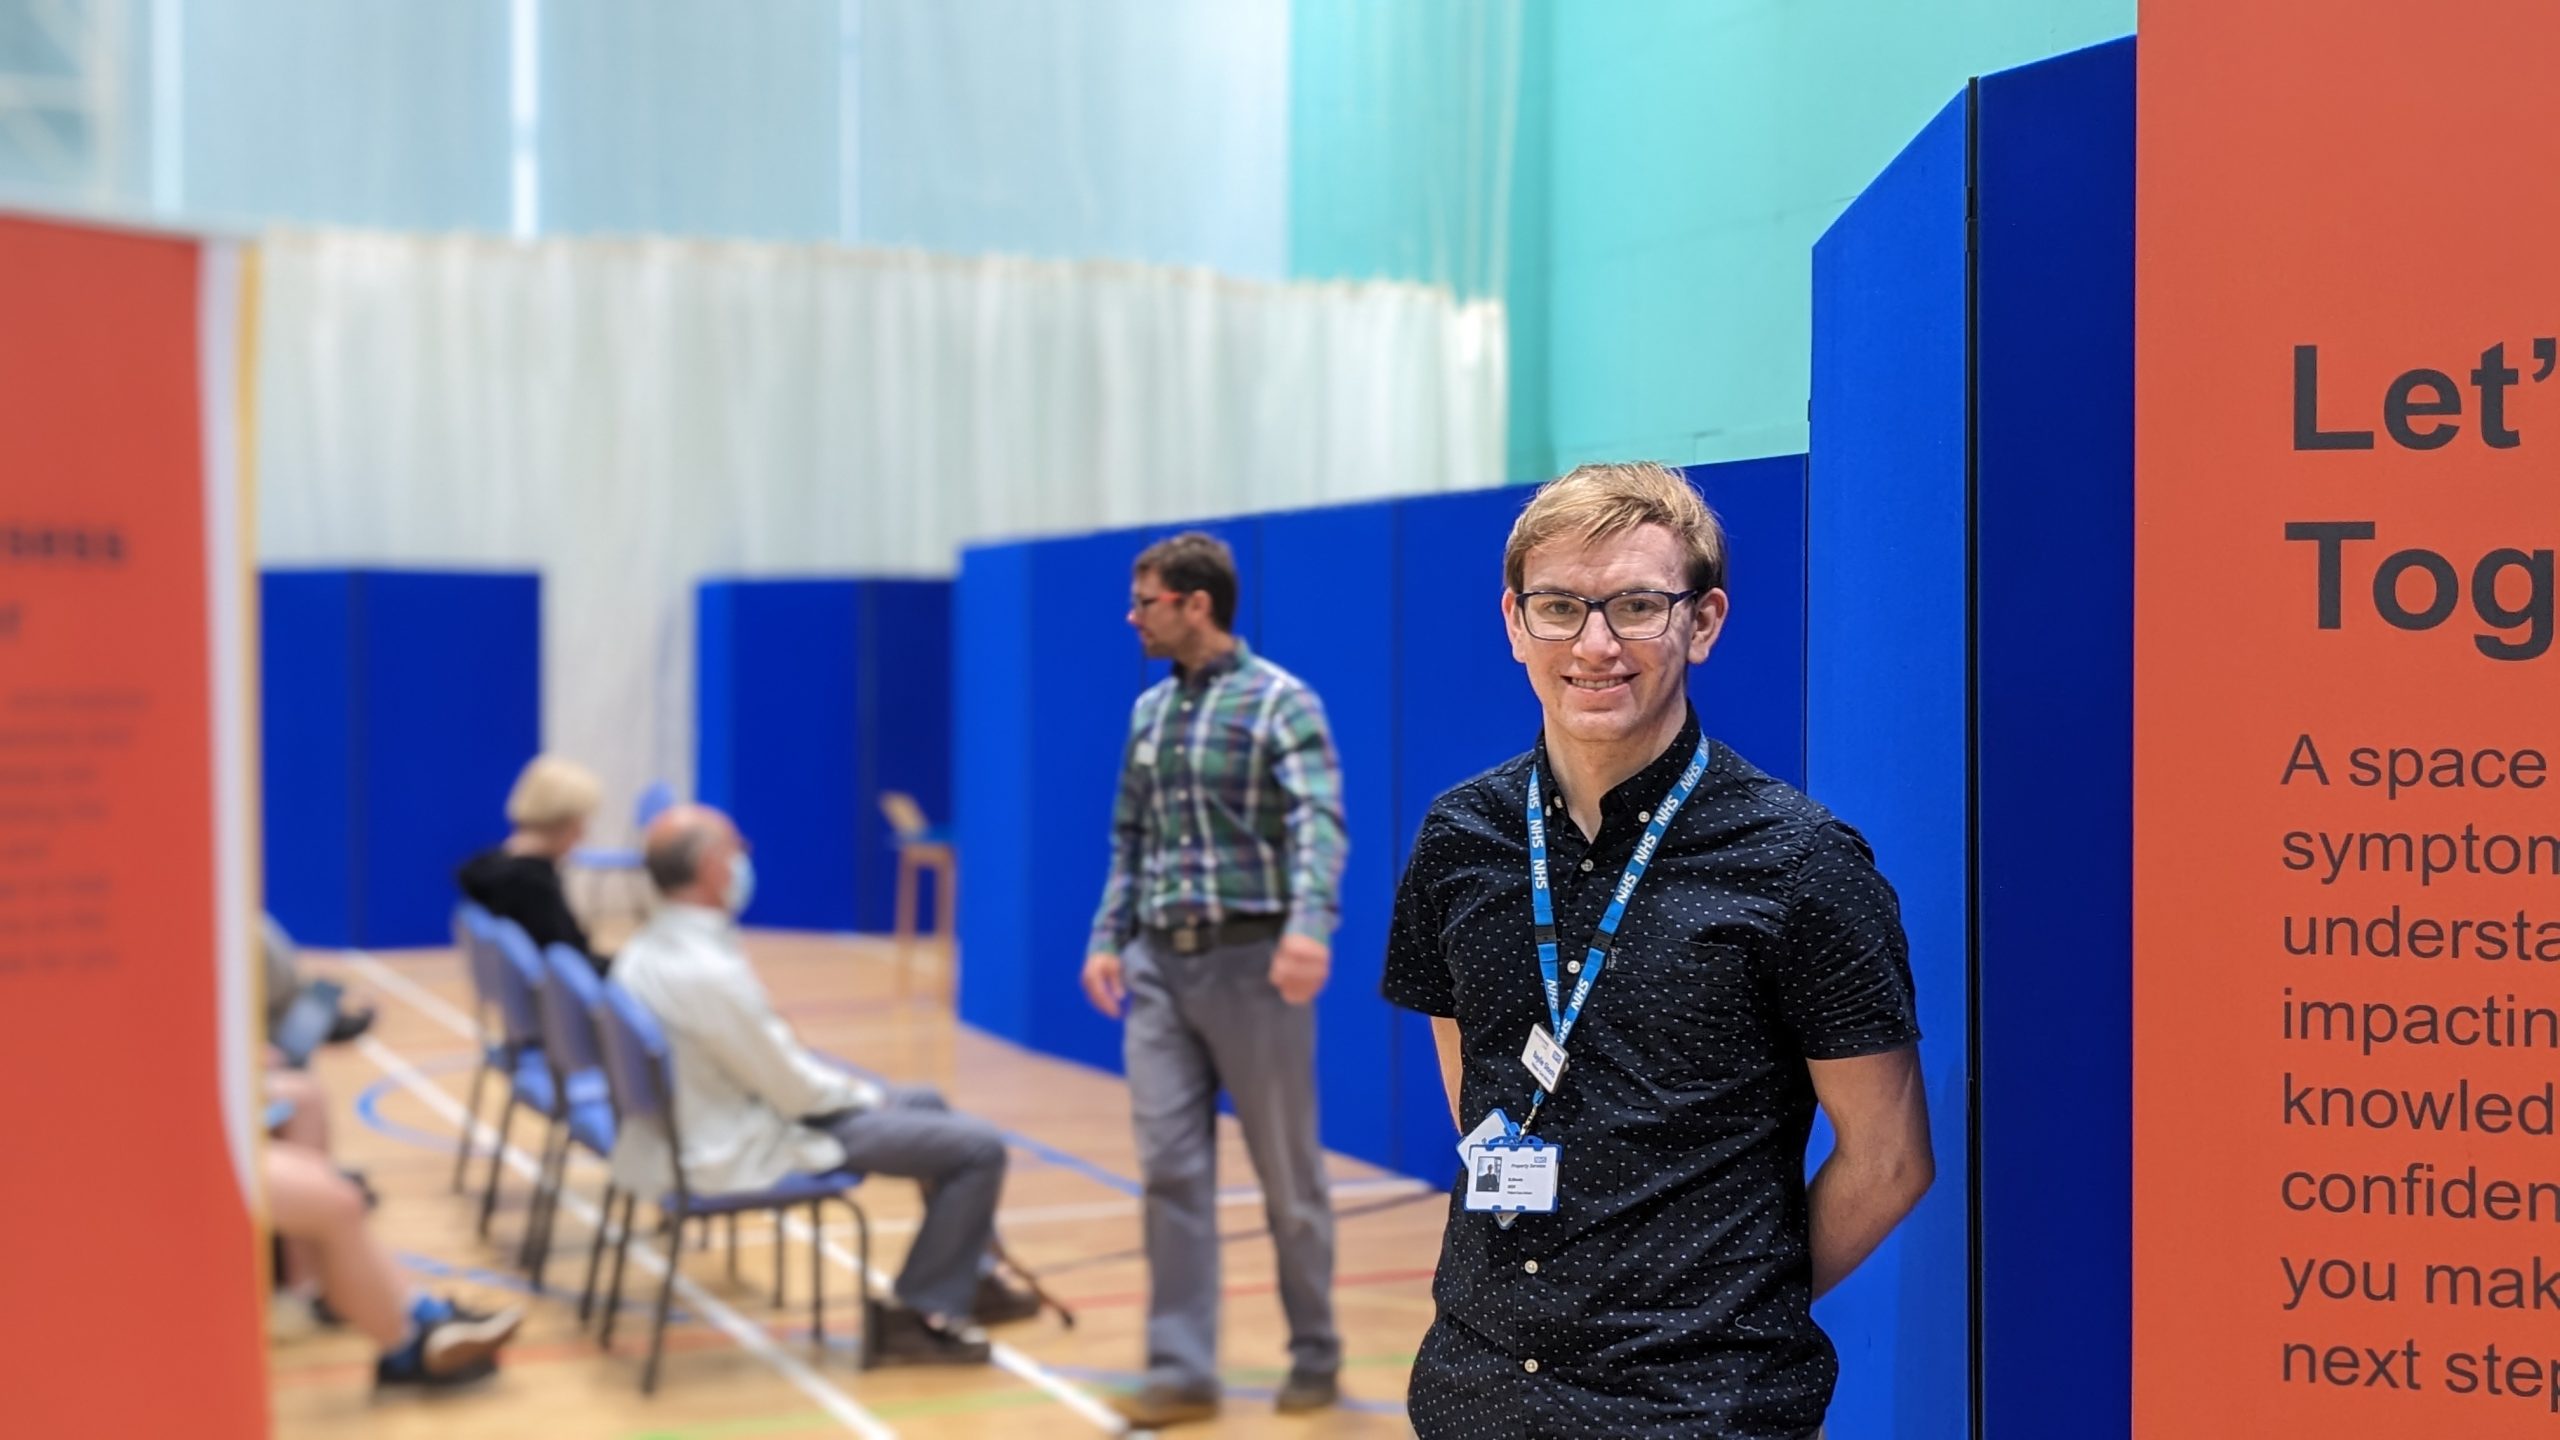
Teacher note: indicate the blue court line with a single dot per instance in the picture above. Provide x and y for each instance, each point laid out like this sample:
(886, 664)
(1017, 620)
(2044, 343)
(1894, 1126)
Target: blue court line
(1014, 1139)
(369, 1110)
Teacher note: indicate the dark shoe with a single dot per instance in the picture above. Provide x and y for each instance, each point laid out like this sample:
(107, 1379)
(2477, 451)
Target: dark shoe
(456, 1350)
(1001, 1303)
(1307, 1390)
(349, 1024)
(1158, 1405)
(908, 1338)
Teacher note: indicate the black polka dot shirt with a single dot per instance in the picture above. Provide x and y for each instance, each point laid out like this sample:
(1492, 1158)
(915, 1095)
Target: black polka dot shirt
(1669, 1293)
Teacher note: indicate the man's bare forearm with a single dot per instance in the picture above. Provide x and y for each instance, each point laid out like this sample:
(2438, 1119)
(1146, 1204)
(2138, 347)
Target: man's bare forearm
(1444, 1038)
(1855, 1201)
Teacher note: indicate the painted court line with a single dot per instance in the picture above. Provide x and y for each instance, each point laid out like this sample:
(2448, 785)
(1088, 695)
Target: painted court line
(1010, 1359)
(1381, 1186)
(749, 1336)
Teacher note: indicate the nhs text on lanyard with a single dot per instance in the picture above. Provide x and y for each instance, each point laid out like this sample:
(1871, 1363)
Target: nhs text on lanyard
(1508, 1170)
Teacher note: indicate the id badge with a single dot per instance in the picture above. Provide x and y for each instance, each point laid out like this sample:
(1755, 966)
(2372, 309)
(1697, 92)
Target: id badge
(1513, 1175)
(1544, 1057)
(1493, 1126)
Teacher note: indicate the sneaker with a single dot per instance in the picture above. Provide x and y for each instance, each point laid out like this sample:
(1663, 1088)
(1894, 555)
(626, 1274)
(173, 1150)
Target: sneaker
(907, 1337)
(1308, 1390)
(999, 1302)
(1157, 1405)
(455, 1348)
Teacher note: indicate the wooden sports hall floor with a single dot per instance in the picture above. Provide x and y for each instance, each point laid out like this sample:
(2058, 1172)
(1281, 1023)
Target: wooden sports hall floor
(738, 1369)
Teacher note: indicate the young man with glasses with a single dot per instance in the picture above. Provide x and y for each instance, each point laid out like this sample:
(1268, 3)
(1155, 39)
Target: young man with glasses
(1215, 932)
(1639, 1253)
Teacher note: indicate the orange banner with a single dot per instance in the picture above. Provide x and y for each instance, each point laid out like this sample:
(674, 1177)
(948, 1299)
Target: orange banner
(2347, 829)
(127, 1253)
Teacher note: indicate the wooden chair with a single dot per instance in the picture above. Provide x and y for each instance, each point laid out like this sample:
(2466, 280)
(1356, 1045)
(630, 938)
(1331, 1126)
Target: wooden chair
(921, 848)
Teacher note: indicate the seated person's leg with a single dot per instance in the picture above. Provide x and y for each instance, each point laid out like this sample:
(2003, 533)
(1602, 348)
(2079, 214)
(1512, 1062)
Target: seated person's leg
(997, 1301)
(423, 1339)
(308, 1124)
(315, 1209)
(959, 1162)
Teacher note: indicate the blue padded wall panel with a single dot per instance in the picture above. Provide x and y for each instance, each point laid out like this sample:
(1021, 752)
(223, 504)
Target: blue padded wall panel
(1462, 707)
(1750, 693)
(1084, 674)
(991, 789)
(307, 746)
(792, 771)
(715, 692)
(449, 667)
(1308, 558)
(2054, 470)
(905, 728)
(1886, 712)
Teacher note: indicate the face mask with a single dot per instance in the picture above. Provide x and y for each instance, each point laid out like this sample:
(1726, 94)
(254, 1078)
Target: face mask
(742, 884)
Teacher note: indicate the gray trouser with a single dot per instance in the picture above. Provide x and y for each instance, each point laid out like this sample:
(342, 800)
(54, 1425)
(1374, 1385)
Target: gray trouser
(1198, 1023)
(958, 1161)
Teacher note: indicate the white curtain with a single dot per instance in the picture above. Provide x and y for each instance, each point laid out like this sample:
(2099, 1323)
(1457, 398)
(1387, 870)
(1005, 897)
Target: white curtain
(630, 417)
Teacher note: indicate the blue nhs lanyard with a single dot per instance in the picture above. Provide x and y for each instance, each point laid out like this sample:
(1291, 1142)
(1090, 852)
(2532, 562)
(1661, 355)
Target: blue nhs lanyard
(1560, 1013)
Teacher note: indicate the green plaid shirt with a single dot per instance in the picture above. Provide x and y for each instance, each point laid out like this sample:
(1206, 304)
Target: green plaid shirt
(1230, 804)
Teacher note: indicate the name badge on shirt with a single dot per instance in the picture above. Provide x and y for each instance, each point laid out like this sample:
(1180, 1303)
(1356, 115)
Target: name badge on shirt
(1146, 752)
(1544, 1057)
(1513, 1175)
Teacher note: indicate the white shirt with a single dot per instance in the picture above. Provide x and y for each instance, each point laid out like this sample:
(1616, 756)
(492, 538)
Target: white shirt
(742, 1080)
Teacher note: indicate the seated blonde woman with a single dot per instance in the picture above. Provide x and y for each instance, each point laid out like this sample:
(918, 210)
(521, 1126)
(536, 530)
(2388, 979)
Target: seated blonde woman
(520, 880)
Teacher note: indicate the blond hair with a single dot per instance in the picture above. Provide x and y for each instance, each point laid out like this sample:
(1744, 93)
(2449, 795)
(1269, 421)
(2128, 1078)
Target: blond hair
(552, 792)
(1600, 502)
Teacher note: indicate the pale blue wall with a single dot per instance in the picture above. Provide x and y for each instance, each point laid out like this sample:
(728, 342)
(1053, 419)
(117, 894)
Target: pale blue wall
(1640, 180)
(1699, 150)
(1676, 160)
(680, 117)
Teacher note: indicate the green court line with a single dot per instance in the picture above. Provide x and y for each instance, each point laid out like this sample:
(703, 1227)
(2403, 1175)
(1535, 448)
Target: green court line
(768, 1425)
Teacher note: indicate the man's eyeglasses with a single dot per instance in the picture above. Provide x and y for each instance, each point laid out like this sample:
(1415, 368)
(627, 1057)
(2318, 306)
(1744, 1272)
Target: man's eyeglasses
(1629, 614)
(1141, 602)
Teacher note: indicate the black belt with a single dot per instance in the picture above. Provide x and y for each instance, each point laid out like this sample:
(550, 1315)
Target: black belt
(1199, 935)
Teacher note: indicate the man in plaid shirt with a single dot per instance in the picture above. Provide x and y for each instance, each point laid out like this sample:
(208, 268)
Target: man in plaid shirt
(1214, 931)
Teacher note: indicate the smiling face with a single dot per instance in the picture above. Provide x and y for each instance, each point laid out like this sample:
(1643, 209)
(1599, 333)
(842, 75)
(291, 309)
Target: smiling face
(1597, 690)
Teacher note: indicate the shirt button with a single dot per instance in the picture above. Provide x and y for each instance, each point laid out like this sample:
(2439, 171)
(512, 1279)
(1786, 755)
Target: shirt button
(1644, 817)
(1531, 1267)
(1529, 1365)
(1586, 864)
(1573, 967)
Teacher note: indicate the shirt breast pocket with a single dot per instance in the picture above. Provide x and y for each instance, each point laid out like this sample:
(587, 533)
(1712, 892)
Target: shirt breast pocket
(1698, 1008)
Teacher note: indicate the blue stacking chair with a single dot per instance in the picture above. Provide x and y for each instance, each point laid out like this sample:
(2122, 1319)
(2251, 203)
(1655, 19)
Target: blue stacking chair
(510, 1043)
(515, 974)
(583, 1115)
(638, 1066)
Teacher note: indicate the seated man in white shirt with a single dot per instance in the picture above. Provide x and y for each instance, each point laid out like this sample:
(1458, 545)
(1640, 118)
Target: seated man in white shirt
(754, 1105)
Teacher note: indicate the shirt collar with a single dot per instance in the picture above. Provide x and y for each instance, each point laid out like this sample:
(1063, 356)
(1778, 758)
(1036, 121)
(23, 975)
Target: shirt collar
(1640, 790)
(1226, 664)
(693, 919)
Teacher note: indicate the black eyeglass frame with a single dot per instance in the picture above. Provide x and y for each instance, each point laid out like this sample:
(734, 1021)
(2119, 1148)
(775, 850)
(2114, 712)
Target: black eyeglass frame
(1671, 600)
